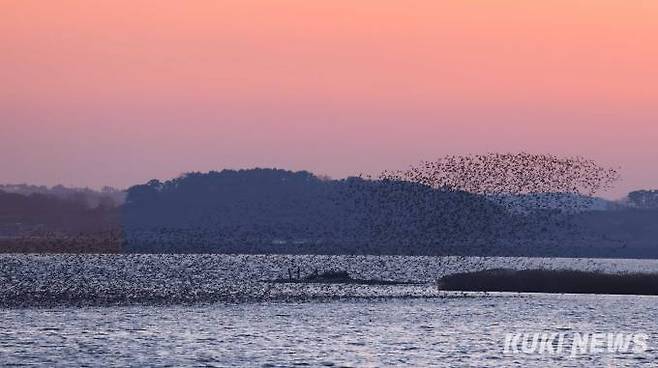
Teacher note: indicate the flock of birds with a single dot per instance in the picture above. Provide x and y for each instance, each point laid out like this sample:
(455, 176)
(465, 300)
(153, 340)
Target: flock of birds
(511, 174)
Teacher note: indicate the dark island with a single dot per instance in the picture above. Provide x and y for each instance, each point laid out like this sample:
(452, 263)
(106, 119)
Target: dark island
(552, 281)
(334, 277)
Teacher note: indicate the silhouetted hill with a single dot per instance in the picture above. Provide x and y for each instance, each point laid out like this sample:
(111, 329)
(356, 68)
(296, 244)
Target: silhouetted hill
(266, 210)
(278, 211)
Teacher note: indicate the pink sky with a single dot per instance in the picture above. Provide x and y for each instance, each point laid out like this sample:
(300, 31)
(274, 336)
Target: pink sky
(119, 92)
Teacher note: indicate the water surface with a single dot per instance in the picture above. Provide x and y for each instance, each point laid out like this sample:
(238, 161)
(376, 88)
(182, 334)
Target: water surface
(220, 310)
(398, 332)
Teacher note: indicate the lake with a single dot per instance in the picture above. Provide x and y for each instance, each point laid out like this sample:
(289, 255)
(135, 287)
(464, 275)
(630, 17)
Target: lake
(219, 310)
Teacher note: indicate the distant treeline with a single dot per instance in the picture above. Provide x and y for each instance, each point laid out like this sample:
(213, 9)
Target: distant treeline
(46, 222)
(106, 197)
(644, 199)
(278, 211)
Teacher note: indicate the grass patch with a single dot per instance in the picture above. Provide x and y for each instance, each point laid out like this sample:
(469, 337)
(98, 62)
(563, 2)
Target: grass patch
(552, 281)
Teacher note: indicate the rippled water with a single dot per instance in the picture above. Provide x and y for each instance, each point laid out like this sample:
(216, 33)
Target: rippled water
(220, 310)
(447, 332)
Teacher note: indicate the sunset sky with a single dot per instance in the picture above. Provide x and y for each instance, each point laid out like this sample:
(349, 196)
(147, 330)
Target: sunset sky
(117, 92)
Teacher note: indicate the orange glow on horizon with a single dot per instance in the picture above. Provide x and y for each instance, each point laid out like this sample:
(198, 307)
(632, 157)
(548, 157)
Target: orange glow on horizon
(117, 92)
